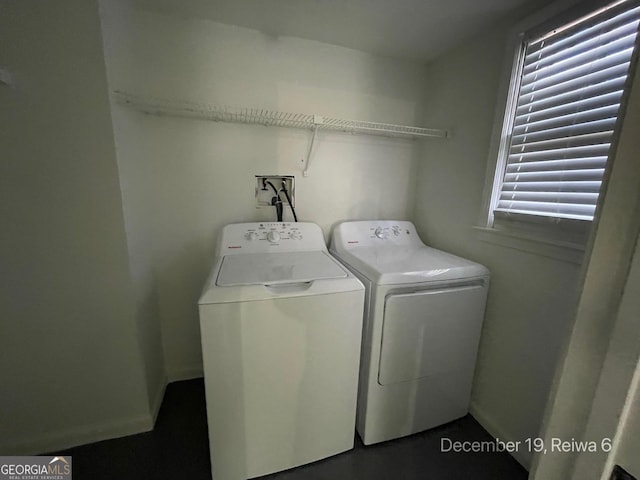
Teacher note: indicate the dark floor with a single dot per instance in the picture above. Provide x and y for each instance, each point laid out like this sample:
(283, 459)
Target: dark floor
(178, 449)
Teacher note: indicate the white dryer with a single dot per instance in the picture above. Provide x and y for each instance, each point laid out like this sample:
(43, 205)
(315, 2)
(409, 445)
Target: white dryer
(423, 315)
(281, 325)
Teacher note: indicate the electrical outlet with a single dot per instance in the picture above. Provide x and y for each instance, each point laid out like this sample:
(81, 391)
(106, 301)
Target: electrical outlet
(265, 193)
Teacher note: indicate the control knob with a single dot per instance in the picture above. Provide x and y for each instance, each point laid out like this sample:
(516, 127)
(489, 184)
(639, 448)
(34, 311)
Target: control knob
(380, 233)
(273, 236)
(296, 235)
(251, 236)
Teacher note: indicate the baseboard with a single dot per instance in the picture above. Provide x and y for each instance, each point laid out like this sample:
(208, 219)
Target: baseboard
(157, 399)
(66, 438)
(62, 439)
(522, 456)
(186, 373)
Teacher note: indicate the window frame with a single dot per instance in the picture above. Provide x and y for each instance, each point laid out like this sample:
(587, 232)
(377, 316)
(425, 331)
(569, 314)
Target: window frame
(560, 238)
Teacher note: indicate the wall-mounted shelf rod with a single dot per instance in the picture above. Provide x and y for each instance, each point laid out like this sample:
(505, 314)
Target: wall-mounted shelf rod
(157, 106)
(315, 123)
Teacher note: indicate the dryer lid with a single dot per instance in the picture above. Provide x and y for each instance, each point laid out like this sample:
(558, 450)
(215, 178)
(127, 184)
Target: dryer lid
(398, 265)
(277, 268)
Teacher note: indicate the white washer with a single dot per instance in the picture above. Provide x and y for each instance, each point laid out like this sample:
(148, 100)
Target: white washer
(281, 325)
(423, 315)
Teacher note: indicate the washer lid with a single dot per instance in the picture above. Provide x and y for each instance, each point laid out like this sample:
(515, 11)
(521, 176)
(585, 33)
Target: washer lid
(277, 268)
(397, 265)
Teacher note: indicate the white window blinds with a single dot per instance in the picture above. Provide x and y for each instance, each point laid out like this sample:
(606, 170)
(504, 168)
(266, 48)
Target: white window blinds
(570, 88)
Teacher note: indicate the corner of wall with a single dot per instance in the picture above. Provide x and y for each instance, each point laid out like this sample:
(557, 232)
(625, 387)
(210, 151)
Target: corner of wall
(523, 456)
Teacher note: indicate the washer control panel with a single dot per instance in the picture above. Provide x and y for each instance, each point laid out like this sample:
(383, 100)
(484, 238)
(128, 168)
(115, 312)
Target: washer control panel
(262, 237)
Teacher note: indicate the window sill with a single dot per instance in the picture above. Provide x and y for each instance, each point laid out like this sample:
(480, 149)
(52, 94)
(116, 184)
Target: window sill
(556, 249)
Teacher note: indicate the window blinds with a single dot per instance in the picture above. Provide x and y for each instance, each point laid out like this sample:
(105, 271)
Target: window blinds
(569, 95)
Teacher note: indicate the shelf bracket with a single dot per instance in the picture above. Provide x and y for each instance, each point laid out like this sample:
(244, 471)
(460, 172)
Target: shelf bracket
(317, 120)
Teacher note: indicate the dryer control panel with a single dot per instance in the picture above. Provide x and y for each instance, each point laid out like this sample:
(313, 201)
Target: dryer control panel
(376, 233)
(260, 237)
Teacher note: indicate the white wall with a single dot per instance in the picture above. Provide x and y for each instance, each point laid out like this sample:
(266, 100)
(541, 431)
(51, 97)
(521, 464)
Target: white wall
(184, 179)
(70, 368)
(627, 454)
(613, 405)
(532, 297)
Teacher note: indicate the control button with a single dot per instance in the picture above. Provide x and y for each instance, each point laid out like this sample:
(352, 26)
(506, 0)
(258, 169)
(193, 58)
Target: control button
(251, 236)
(380, 233)
(396, 230)
(296, 235)
(273, 236)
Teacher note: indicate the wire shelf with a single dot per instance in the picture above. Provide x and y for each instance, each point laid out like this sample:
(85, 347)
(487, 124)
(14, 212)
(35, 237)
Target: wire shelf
(256, 116)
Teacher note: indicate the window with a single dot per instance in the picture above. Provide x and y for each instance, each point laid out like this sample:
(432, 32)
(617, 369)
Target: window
(567, 87)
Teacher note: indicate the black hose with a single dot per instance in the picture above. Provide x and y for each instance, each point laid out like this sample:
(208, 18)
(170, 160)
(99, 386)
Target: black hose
(275, 201)
(286, 194)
